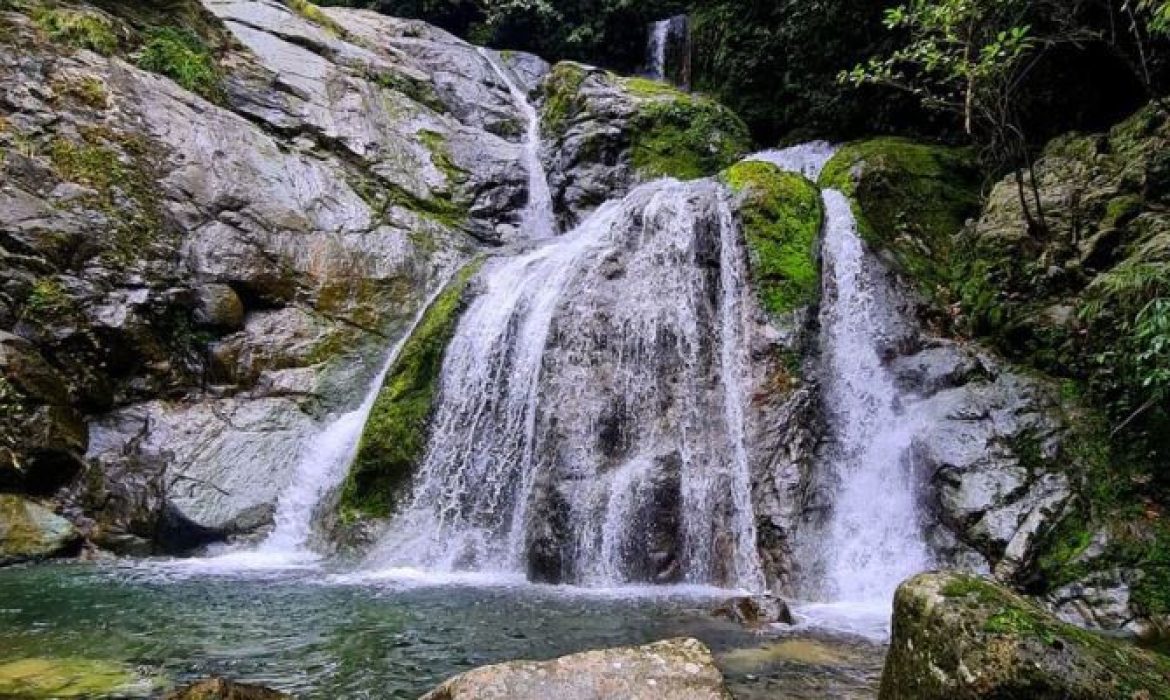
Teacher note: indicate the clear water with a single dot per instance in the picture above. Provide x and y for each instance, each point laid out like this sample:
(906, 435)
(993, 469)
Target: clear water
(323, 636)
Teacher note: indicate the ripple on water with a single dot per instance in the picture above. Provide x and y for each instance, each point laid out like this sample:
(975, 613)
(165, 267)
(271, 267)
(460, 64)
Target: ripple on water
(324, 634)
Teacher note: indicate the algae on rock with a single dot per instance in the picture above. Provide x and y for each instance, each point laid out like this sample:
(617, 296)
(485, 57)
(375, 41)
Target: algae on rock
(396, 431)
(781, 216)
(958, 637)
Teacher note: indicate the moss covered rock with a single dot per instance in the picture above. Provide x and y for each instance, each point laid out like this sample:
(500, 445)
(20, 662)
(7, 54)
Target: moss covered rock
(606, 133)
(781, 216)
(911, 201)
(33, 679)
(396, 432)
(30, 531)
(957, 637)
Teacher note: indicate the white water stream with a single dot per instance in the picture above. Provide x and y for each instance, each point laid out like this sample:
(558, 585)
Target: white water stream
(538, 220)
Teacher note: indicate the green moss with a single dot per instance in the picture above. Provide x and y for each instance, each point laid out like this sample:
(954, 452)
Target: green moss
(686, 137)
(315, 15)
(68, 678)
(88, 90)
(118, 167)
(782, 216)
(47, 301)
(181, 55)
(396, 432)
(644, 87)
(419, 90)
(441, 156)
(911, 200)
(80, 29)
(562, 97)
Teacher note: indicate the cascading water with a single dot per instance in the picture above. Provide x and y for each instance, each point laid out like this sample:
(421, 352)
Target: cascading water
(875, 537)
(537, 220)
(656, 49)
(590, 424)
(807, 159)
(318, 472)
(667, 50)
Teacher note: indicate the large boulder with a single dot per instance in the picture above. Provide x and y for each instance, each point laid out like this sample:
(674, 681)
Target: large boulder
(960, 637)
(680, 669)
(606, 133)
(30, 531)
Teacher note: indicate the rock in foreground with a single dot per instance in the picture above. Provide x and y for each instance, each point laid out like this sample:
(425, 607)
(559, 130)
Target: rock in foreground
(680, 669)
(29, 531)
(961, 638)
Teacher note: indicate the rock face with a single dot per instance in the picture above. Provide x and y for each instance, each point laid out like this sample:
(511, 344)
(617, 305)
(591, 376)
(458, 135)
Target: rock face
(962, 638)
(605, 133)
(196, 273)
(223, 689)
(680, 669)
(30, 531)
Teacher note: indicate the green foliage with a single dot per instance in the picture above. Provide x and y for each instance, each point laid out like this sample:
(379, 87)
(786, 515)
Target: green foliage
(775, 63)
(396, 432)
(81, 29)
(782, 216)
(686, 137)
(911, 200)
(181, 55)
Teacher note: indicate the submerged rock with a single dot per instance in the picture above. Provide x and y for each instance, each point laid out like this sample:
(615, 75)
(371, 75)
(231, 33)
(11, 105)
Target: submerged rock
(44, 678)
(29, 531)
(679, 669)
(755, 611)
(223, 689)
(957, 637)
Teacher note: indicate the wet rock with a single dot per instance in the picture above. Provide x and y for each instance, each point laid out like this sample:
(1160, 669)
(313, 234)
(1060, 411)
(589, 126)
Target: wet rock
(224, 689)
(755, 611)
(605, 134)
(219, 307)
(680, 669)
(42, 437)
(962, 638)
(29, 531)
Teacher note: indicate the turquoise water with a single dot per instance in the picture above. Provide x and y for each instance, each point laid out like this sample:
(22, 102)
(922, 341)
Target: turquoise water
(323, 636)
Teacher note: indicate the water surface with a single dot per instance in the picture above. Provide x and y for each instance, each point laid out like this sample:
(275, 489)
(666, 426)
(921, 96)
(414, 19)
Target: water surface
(321, 635)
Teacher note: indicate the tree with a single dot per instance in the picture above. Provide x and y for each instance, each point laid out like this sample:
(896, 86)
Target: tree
(969, 57)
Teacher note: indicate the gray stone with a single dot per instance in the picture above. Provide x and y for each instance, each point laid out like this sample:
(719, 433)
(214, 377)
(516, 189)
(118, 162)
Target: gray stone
(680, 669)
(29, 531)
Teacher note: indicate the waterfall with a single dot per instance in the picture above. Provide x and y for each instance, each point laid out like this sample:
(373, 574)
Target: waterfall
(875, 538)
(319, 472)
(590, 418)
(668, 50)
(656, 49)
(537, 221)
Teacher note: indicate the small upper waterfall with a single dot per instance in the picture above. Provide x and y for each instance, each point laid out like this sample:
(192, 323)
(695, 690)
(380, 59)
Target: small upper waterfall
(590, 423)
(668, 50)
(874, 539)
(808, 159)
(538, 220)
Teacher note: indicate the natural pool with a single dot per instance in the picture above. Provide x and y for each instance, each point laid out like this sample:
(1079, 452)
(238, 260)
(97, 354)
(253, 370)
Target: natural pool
(324, 635)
